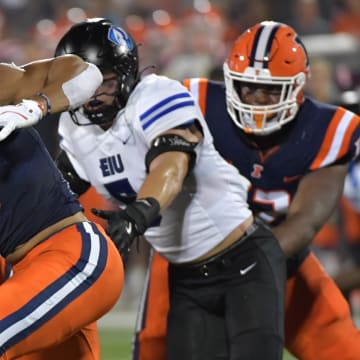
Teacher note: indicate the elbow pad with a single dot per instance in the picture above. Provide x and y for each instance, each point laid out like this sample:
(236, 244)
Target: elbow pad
(80, 88)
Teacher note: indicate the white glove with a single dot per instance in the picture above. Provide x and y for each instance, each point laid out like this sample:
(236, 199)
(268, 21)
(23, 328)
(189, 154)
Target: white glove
(26, 113)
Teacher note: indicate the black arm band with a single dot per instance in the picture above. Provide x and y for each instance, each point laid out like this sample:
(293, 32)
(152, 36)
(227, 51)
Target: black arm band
(77, 185)
(171, 142)
(143, 213)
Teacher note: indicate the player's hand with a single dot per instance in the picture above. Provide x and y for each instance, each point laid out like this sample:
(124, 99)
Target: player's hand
(24, 114)
(126, 225)
(121, 230)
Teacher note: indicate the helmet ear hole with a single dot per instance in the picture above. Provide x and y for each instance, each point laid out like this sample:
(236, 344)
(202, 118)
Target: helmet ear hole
(111, 48)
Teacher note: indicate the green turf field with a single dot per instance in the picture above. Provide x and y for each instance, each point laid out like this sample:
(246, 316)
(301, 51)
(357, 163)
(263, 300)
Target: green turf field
(116, 345)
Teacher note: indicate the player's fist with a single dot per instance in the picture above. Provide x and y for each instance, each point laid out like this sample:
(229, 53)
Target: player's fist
(24, 114)
(127, 224)
(121, 229)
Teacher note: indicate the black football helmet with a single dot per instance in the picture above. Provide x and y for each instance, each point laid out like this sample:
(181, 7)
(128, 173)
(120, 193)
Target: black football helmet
(111, 48)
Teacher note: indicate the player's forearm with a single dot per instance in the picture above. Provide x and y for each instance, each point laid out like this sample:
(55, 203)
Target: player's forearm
(295, 233)
(43, 90)
(69, 88)
(315, 200)
(307, 214)
(165, 180)
(61, 70)
(66, 81)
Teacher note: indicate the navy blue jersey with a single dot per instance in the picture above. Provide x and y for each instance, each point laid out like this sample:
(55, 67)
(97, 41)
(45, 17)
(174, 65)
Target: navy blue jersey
(319, 136)
(33, 193)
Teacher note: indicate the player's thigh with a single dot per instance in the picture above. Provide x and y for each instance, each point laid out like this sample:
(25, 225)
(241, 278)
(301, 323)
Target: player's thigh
(312, 286)
(84, 345)
(255, 300)
(46, 294)
(253, 317)
(194, 332)
(317, 316)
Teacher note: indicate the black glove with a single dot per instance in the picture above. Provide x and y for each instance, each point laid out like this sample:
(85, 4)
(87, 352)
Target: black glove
(126, 225)
(121, 230)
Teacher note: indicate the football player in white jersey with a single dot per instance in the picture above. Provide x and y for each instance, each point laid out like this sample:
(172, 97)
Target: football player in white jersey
(143, 143)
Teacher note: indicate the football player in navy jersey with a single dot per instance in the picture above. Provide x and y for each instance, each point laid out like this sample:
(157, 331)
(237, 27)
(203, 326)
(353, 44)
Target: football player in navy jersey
(144, 144)
(295, 151)
(65, 272)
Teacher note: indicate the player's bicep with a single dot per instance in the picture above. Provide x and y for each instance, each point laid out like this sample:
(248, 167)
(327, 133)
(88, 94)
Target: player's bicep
(178, 145)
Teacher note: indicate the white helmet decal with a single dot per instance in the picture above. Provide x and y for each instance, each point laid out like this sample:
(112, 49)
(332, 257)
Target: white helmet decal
(120, 37)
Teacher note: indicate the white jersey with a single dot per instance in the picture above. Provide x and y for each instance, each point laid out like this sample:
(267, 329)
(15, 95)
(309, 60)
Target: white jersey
(212, 202)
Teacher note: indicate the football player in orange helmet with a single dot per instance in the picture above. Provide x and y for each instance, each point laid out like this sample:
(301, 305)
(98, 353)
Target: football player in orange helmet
(295, 151)
(265, 59)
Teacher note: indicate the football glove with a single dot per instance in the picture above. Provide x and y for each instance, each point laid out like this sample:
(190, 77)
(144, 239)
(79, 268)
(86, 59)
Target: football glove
(26, 113)
(128, 224)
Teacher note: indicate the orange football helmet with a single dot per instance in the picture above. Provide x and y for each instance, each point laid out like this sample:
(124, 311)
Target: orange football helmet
(269, 54)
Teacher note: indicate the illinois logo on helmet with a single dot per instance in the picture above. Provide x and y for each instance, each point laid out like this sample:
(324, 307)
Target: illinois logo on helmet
(267, 55)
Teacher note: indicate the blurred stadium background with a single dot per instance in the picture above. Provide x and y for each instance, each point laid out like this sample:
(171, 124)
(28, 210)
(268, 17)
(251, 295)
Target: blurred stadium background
(185, 38)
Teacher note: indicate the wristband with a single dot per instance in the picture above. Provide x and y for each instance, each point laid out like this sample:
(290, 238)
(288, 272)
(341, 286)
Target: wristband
(47, 100)
(143, 212)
